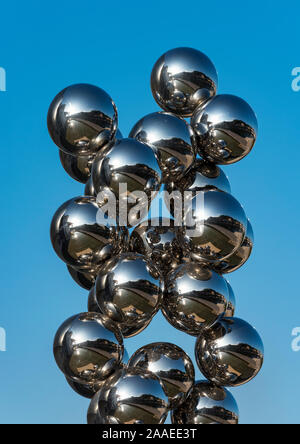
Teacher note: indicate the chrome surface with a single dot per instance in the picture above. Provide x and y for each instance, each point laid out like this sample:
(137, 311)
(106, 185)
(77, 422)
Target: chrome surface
(226, 129)
(182, 79)
(170, 364)
(230, 353)
(194, 298)
(82, 119)
(86, 280)
(88, 347)
(230, 310)
(78, 167)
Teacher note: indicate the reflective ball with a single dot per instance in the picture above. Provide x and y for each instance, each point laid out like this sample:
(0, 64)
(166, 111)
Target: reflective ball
(81, 238)
(82, 119)
(207, 404)
(226, 129)
(79, 168)
(130, 397)
(170, 364)
(89, 189)
(157, 240)
(230, 353)
(195, 297)
(230, 310)
(215, 226)
(88, 347)
(182, 79)
(128, 291)
(86, 279)
(131, 173)
(85, 390)
(239, 257)
(172, 140)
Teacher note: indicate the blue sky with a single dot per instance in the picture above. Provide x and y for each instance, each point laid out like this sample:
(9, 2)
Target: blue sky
(114, 45)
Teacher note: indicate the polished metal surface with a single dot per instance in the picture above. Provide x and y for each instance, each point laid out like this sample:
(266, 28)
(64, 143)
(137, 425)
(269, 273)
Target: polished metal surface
(157, 240)
(82, 119)
(85, 390)
(172, 140)
(230, 310)
(86, 279)
(128, 291)
(78, 167)
(89, 189)
(207, 404)
(170, 364)
(182, 79)
(239, 257)
(230, 353)
(88, 347)
(130, 397)
(194, 298)
(78, 238)
(226, 129)
(215, 226)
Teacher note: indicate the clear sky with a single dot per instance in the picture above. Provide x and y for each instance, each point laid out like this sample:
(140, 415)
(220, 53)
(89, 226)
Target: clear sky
(47, 46)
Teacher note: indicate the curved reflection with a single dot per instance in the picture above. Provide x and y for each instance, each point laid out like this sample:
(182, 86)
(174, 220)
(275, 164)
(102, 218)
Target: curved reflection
(79, 168)
(207, 404)
(170, 364)
(230, 353)
(194, 298)
(226, 129)
(86, 279)
(182, 79)
(230, 310)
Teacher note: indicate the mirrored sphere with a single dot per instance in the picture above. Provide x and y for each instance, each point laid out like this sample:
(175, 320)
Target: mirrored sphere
(194, 298)
(230, 310)
(89, 189)
(85, 390)
(88, 347)
(230, 353)
(131, 396)
(226, 129)
(207, 404)
(157, 240)
(215, 226)
(129, 162)
(81, 237)
(128, 291)
(170, 364)
(82, 119)
(239, 257)
(78, 167)
(172, 140)
(182, 79)
(86, 279)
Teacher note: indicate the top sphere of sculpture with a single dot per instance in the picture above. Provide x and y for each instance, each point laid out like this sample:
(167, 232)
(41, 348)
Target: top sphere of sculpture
(225, 129)
(82, 119)
(172, 366)
(88, 347)
(182, 79)
(172, 140)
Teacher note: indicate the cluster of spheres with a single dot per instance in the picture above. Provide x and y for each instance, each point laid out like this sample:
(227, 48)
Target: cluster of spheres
(134, 269)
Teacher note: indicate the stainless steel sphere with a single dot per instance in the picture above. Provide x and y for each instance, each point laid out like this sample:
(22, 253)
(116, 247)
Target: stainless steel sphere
(239, 257)
(207, 404)
(215, 226)
(170, 364)
(88, 347)
(230, 353)
(131, 396)
(172, 140)
(85, 390)
(128, 291)
(157, 240)
(86, 279)
(226, 129)
(182, 79)
(195, 297)
(230, 310)
(82, 119)
(79, 240)
(78, 167)
(89, 189)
